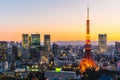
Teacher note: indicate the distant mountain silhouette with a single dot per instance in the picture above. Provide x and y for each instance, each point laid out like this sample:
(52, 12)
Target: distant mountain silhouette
(80, 42)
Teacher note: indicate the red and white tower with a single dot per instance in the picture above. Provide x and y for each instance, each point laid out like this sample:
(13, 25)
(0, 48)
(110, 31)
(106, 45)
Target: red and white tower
(87, 61)
(88, 43)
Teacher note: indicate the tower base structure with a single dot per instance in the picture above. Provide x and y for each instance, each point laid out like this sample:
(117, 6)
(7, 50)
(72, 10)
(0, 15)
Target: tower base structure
(87, 63)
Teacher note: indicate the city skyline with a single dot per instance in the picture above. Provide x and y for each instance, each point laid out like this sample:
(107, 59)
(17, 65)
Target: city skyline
(62, 19)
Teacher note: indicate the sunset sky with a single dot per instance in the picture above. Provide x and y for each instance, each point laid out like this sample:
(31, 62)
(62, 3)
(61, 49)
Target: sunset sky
(64, 20)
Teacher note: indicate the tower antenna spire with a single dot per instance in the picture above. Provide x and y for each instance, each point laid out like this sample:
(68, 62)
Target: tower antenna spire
(87, 12)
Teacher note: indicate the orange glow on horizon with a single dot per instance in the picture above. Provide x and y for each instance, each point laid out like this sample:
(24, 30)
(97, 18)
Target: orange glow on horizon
(68, 33)
(57, 37)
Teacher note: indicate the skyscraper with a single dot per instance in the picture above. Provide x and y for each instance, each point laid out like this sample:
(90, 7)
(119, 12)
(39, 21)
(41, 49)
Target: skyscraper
(25, 46)
(25, 40)
(35, 40)
(55, 49)
(35, 47)
(47, 43)
(29, 40)
(3, 50)
(15, 51)
(46, 49)
(102, 42)
(117, 47)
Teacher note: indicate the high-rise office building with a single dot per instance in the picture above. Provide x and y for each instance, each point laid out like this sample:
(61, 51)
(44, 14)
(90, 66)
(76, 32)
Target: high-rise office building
(15, 51)
(117, 46)
(3, 50)
(45, 49)
(19, 51)
(29, 40)
(47, 43)
(25, 40)
(35, 47)
(35, 40)
(55, 49)
(25, 46)
(102, 42)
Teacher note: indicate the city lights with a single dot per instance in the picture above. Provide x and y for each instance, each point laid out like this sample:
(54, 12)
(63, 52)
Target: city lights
(55, 40)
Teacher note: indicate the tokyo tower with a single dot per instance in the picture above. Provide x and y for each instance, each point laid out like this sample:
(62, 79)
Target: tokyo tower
(87, 61)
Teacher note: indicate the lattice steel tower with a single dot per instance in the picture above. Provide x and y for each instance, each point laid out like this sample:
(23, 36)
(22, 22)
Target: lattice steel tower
(88, 43)
(87, 61)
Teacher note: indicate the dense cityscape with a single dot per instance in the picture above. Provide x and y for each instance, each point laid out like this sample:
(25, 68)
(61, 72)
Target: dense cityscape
(29, 60)
(34, 59)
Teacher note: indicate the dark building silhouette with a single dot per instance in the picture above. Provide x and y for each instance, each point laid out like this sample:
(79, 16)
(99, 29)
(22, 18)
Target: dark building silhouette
(55, 49)
(34, 55)
(15, 51)
(117, 47)
(47, 43)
